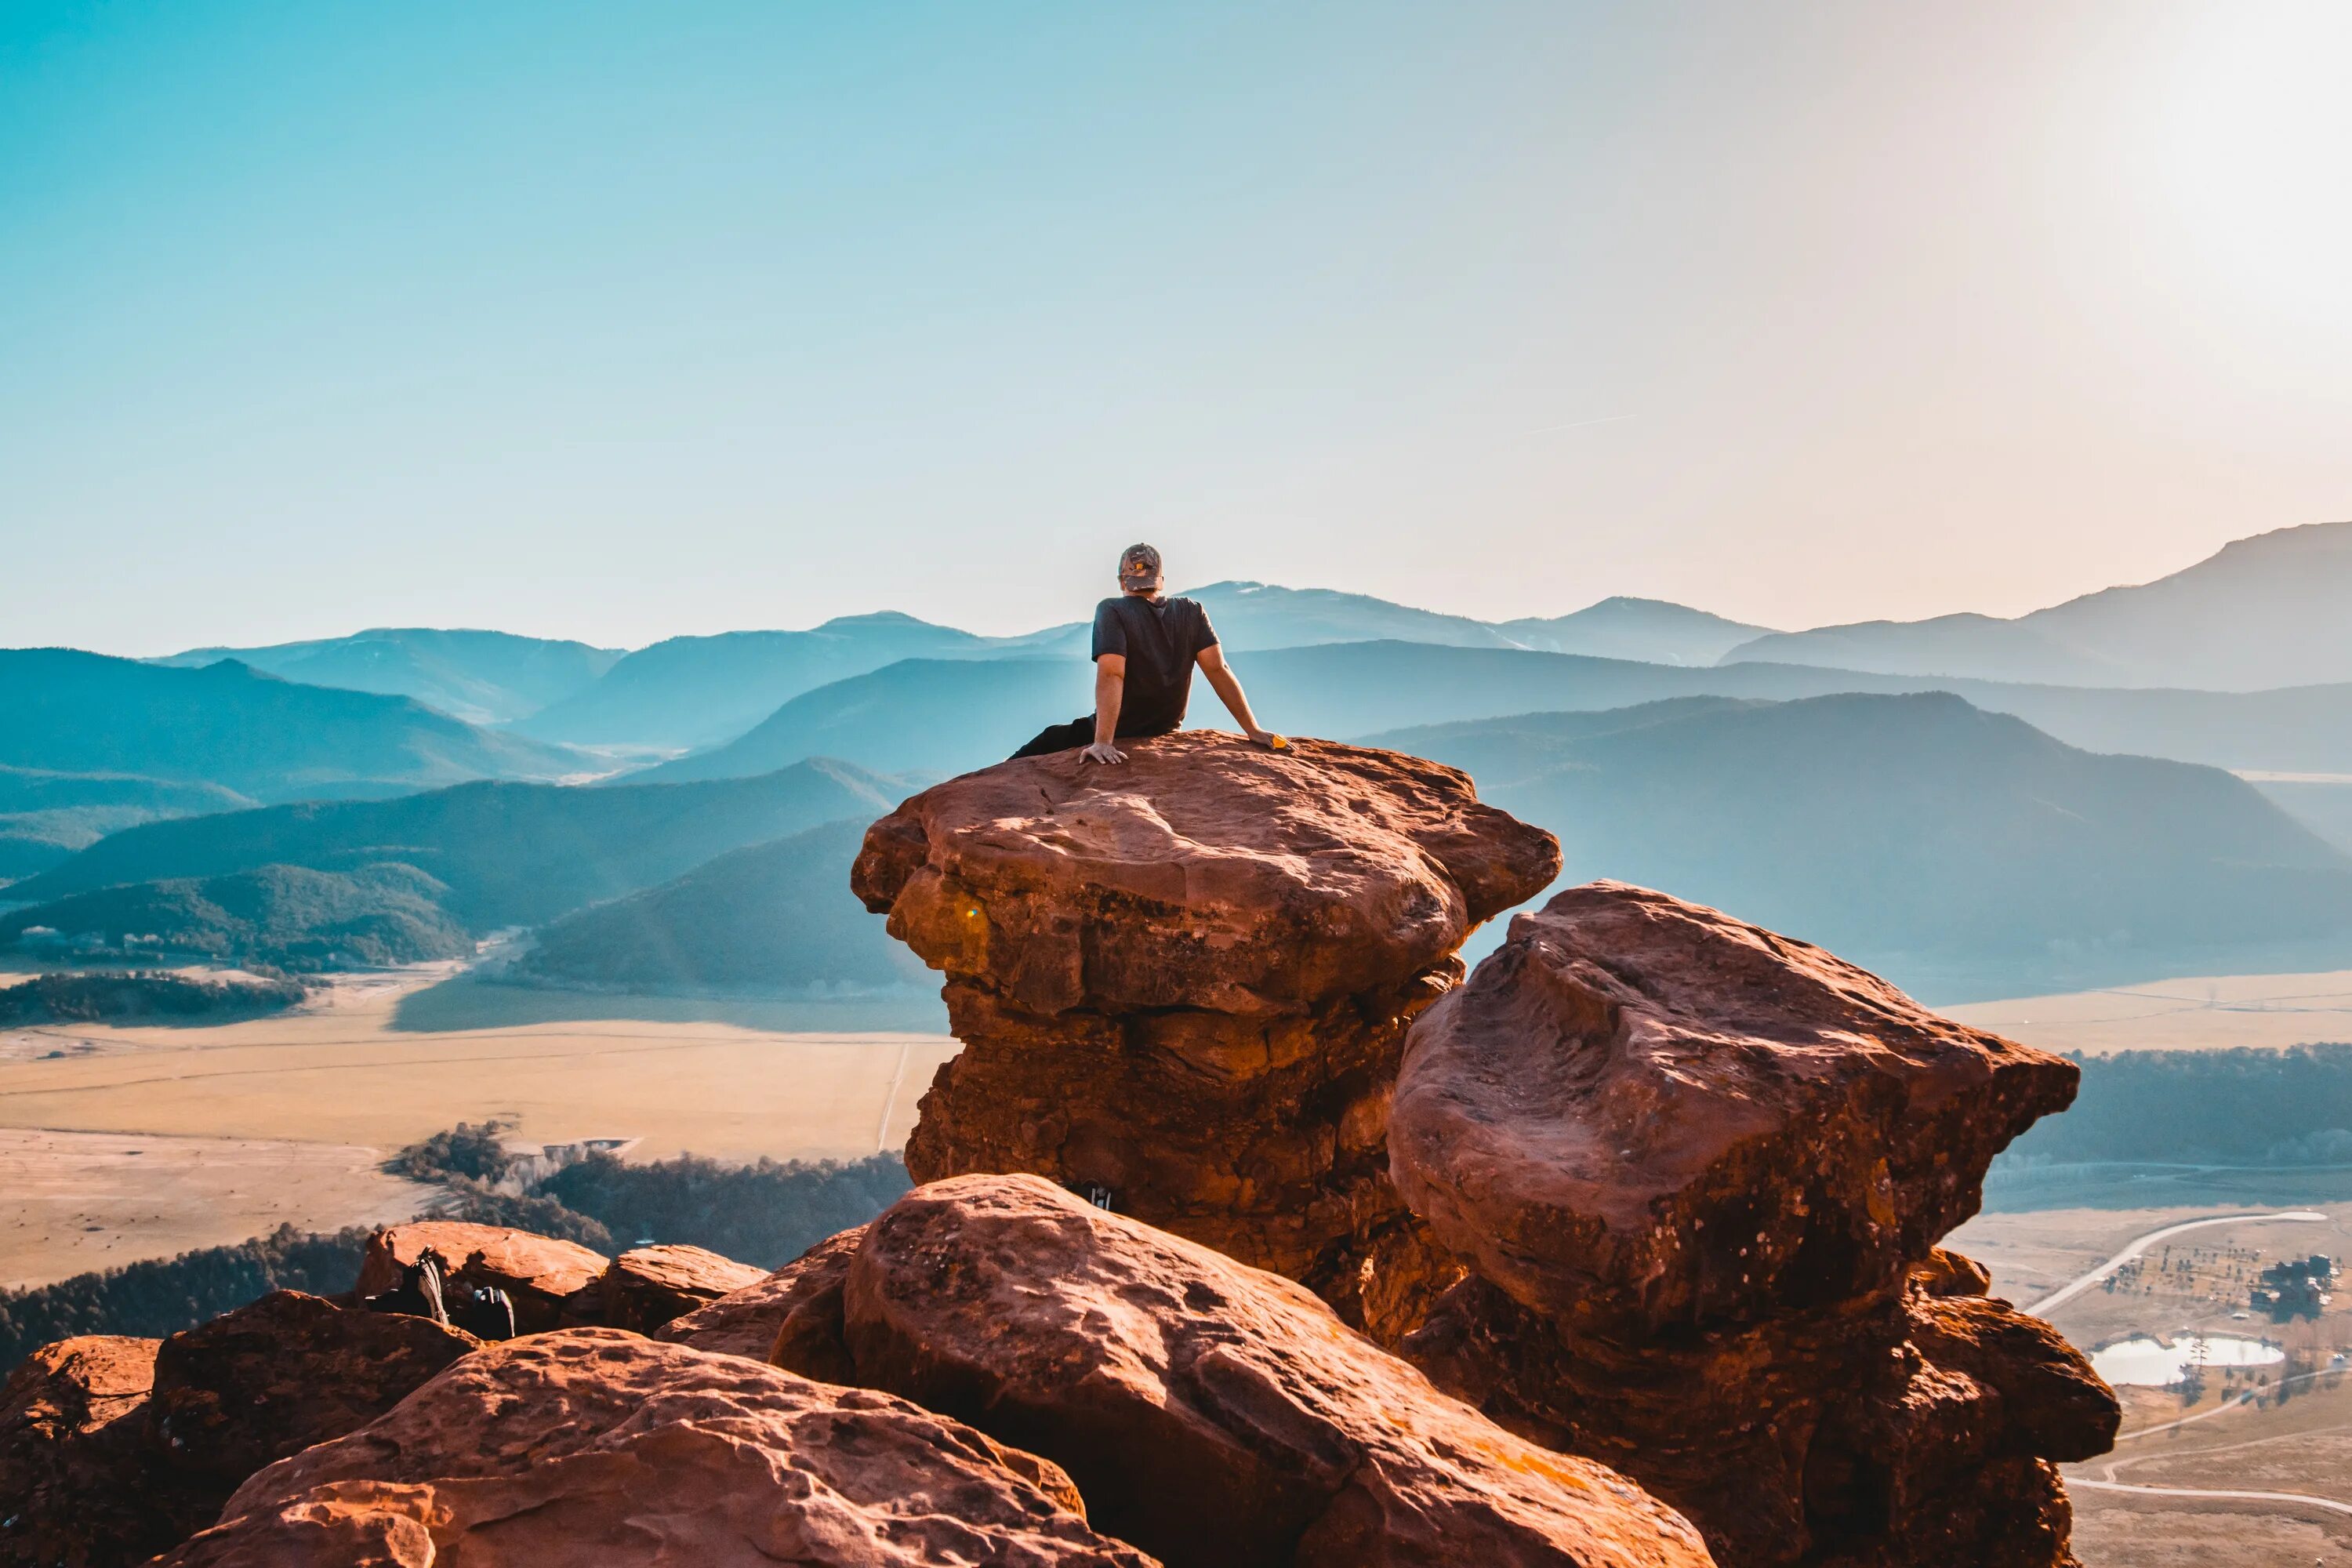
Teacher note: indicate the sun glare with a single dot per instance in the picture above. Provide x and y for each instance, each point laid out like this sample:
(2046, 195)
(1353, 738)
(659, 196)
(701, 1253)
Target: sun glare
(2253, 154)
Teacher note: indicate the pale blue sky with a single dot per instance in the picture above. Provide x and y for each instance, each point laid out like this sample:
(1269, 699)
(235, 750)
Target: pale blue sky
(620, 321)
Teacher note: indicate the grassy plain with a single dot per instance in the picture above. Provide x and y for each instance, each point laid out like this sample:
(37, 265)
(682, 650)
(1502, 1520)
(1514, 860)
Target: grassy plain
(302, 1104)
(2201, 1012)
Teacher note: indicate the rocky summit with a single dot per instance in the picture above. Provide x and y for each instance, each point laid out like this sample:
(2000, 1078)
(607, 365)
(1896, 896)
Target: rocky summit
(1182, 983)
(1250, 1234)
(1697, 1171)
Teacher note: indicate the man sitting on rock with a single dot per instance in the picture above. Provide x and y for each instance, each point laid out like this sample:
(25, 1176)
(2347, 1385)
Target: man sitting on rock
(1145, 648)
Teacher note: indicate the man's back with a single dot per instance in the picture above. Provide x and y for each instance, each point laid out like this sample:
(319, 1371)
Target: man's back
(1160, 640)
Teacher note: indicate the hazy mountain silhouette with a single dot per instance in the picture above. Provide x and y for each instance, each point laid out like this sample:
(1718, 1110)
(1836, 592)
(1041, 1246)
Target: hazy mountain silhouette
(701, 691)
(1916, 833)
(286, 917)
(697, 690)
(945, 716)
(483, 677)
(510, 854)
(2270, 611)
(228, 724)
(1652, 631)
(45, 816)
(770, 917)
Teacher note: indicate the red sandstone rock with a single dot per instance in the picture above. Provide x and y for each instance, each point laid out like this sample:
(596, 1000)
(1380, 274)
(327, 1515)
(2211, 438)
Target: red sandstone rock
(1642, 1112)
(747, 1322)
(646, 1287)
(596, 1445)
(290, 1370)
(80, 1483)
(1183, 983)
(1206, 872)
(1697, 1171)
(1210, 1413)
(540, 1273)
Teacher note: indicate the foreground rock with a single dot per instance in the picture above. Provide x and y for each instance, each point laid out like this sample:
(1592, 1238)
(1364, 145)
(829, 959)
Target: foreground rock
(79, 1483)
(544, 1276)
(1697, 1171)
(1183, 984)
(596, 1445)
(1212, 1414)
(649, 1286)
(271, 1379)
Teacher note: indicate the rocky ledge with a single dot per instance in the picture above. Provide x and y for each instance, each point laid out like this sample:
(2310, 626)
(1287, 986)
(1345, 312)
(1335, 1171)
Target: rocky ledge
(1183, 984)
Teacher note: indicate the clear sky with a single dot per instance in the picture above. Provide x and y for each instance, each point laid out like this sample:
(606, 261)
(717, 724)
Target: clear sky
(617, 321)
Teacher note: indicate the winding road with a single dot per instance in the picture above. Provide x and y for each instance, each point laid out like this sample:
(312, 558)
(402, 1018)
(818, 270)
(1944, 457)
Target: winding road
(2308, 1501)
(2081, 1282)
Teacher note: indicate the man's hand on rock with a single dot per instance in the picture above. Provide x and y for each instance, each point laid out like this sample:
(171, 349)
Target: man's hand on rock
(1102, 751)
(1269, 740)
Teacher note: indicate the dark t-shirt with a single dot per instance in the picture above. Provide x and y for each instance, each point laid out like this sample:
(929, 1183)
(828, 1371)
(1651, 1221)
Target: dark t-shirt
(1159, 641)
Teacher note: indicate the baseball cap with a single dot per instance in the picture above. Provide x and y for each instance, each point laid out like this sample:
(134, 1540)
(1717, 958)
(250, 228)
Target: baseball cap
(1139, 562)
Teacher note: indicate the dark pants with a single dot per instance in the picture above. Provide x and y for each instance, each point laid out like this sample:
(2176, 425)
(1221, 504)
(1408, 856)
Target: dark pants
(1069, 737)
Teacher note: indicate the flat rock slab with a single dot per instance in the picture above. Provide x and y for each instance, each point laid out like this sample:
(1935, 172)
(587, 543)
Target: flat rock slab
(596, 1445)
(540, 1273)
(649, 1286)
(1205, 872)
(1641, 1113)
(1210, 1413)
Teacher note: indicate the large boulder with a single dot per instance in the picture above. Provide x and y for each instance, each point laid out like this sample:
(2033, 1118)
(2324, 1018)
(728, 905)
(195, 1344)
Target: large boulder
(1213, 1414)
(290, 1370)
(804, 1293)
(1698, 1172)
(648, 1285)
(79, 1486)
(598, 1446)
(541, 1275)
(1183, 983)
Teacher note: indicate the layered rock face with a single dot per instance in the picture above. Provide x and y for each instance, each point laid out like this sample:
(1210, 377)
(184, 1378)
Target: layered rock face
(1183, 983)
(79, 1483)
(598, 1446)
(1698, 1172)
(1214, 1415)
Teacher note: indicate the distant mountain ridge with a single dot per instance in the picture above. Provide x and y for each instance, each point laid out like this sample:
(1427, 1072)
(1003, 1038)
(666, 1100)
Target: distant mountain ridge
(2273, 610)
(507, 854)
(945, 716)
(481, 677)
(1950, 847)
(770, 917)
(228, 724)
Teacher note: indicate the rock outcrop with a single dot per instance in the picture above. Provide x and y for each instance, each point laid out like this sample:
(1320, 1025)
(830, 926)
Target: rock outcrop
(649, 1286)
(1698, 1172)
(1210, 1413)
(544, 1276)
(598, 1446)
(1183, 984)
(272, 1378)
(79, 1484)
(114, 1449)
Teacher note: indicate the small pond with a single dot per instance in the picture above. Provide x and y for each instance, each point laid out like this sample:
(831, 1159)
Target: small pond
(2153, 1364)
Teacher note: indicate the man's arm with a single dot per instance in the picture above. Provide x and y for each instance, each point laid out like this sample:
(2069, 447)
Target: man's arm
(1110, 690)
(1229, 691)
